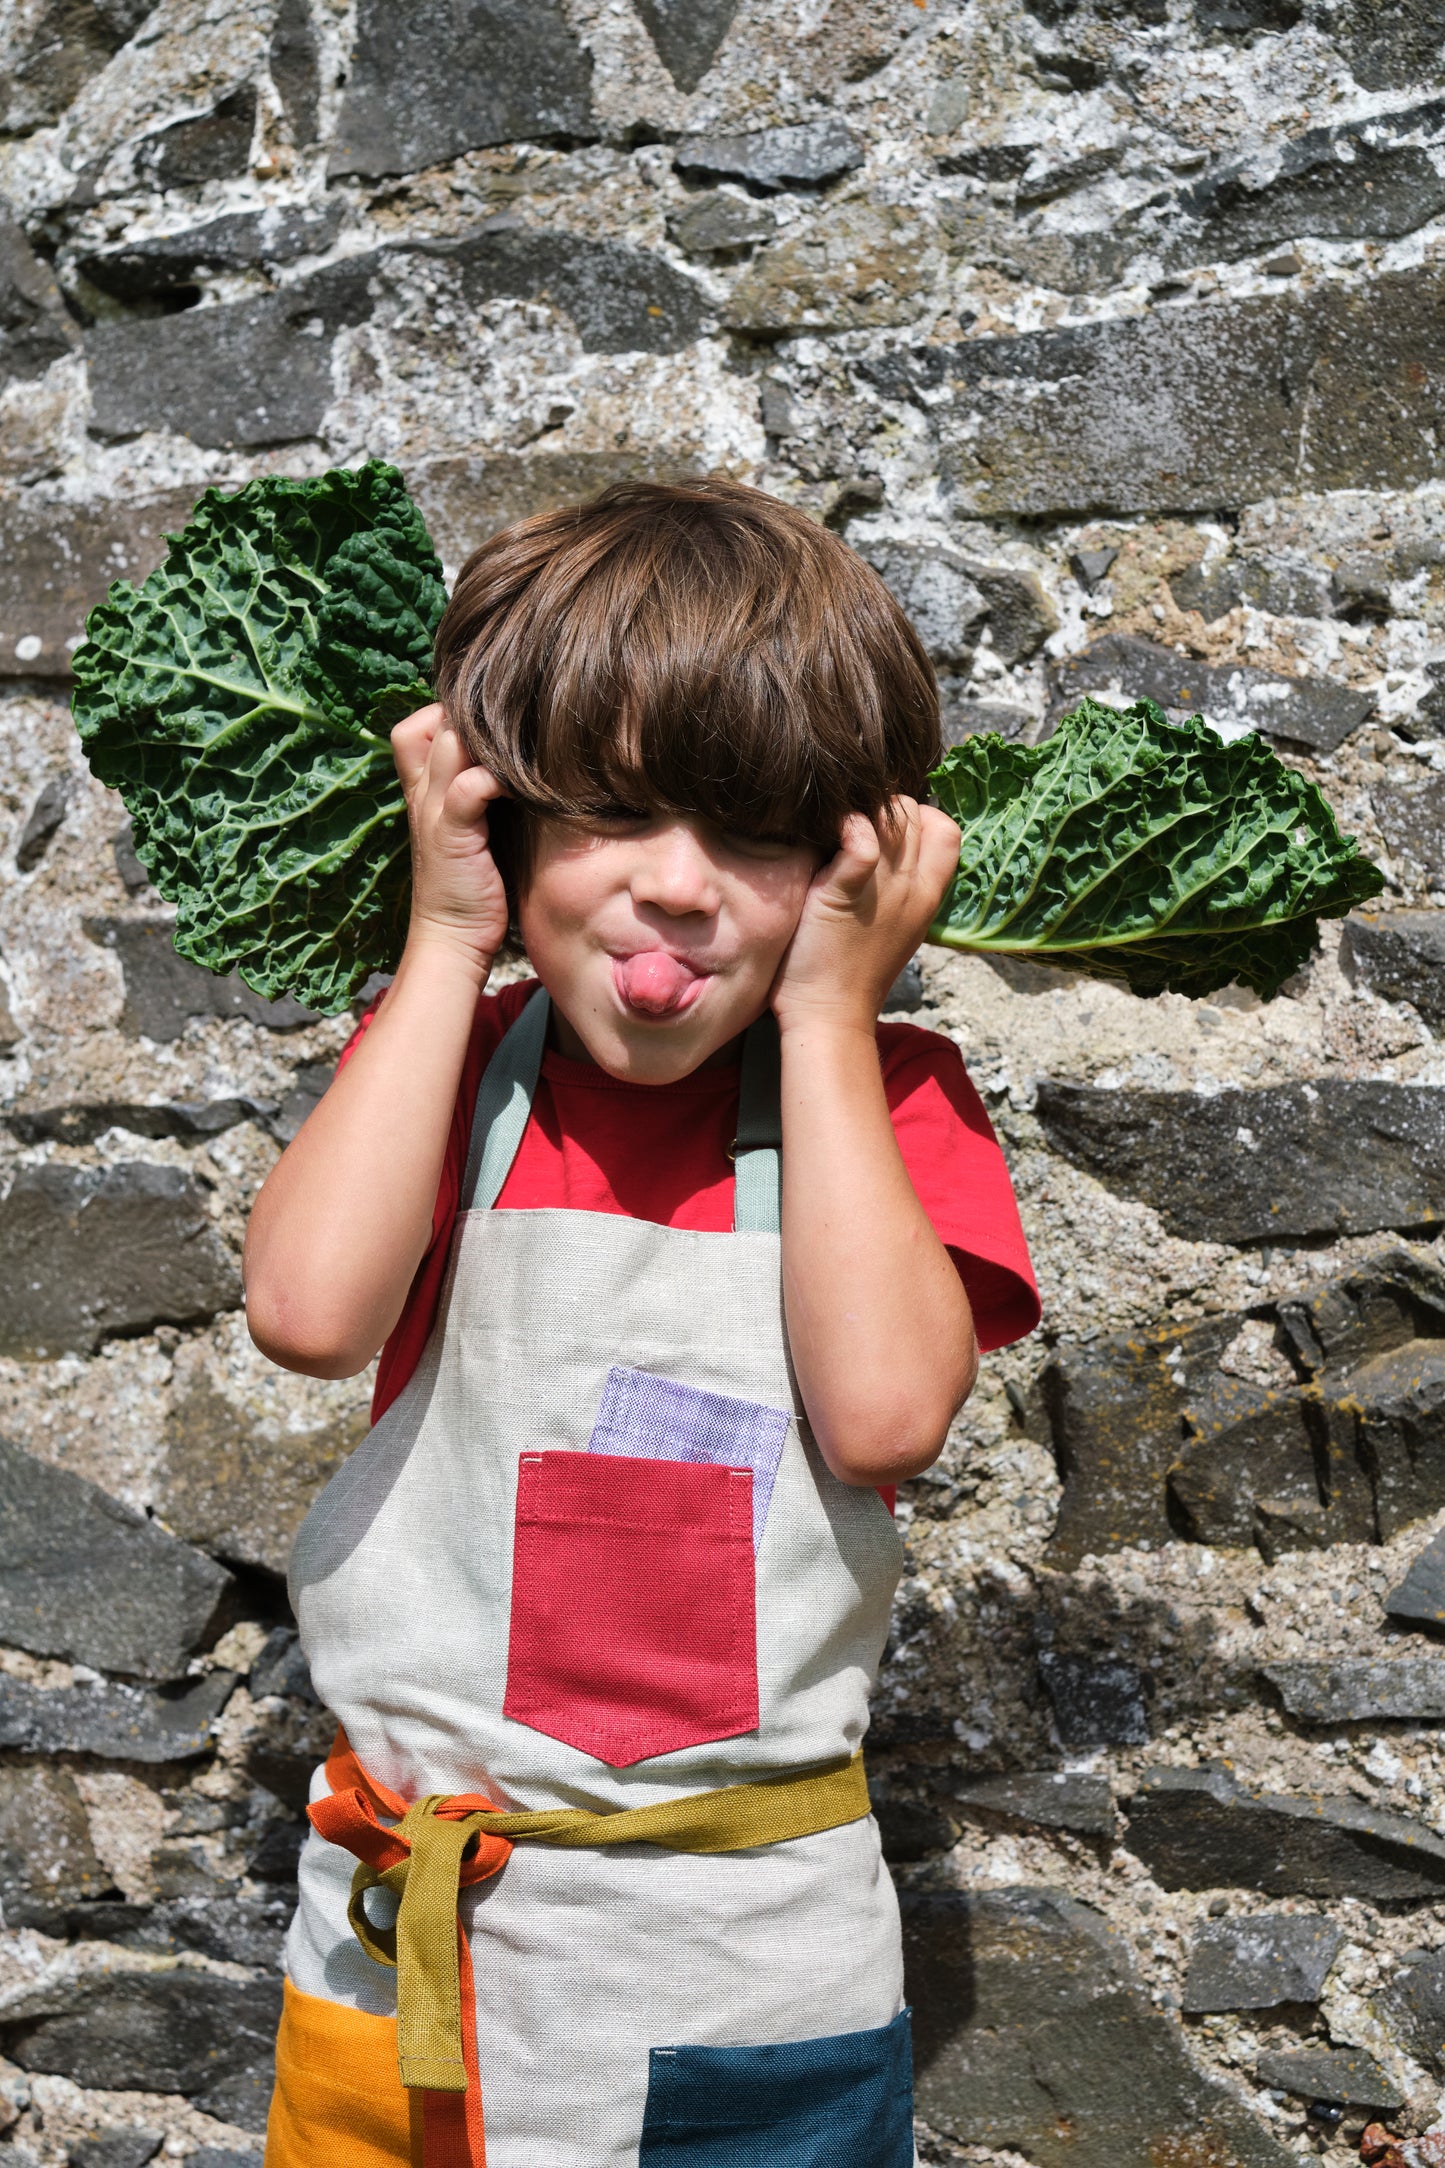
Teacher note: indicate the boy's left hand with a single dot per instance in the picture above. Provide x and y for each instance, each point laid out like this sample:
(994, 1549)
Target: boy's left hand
(866, 912)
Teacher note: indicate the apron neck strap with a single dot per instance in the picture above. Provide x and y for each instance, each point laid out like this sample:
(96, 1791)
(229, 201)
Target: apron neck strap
(504, 1103)
(757, 1193)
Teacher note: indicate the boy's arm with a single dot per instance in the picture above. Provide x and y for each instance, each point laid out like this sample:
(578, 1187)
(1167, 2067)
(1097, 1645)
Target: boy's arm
(878, 1321)
(344, 1217)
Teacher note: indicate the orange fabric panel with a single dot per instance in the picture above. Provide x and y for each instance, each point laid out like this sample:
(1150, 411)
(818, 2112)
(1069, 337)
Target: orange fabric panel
(339, 2102)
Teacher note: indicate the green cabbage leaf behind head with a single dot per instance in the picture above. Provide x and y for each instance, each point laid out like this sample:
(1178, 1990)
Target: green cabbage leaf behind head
(240, 698)
(239, 701)
(1143, 850)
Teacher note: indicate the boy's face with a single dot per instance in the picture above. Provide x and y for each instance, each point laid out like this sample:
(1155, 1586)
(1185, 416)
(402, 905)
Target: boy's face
(658, 938)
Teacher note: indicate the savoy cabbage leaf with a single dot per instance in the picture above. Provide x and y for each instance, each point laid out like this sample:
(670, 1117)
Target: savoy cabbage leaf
(239, 701)
(1143, 850)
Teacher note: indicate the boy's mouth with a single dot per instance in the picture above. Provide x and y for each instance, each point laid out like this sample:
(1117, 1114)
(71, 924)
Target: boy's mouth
(656, 984)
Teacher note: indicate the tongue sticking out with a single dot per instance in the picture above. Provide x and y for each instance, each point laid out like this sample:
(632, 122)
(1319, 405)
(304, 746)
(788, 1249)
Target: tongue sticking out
(656, 983)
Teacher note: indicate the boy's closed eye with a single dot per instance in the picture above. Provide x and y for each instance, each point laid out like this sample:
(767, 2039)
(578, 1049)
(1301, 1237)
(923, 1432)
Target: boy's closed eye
(618, 819)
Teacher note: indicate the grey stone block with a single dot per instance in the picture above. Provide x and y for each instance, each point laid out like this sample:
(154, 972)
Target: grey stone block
(1096, 1702)
(906, 993)
(117, 2148)
(1245, 15)
(1279, 1164)
(239, 241)
(1351, 1688)
(1032, 2033)
(431, 80)
(1246, 1451)
(1414, 2006)
(1284, 590)
(1421, 1595)
(213, 147)
(933, 587)
(281, 1668)
(1260, 1961)
(56, 562)
(120, 1723)
(717, 221)
(51, 52)
(163, 991)
(1400, 955)
(1198, 1829)
(688, 35)
(1049, 1799)
(87, 1253)
(1309, 711)
(309, 1087)
(1155, 1442)
(1193, 408)
(1350, 183)
(41, 822)
(1412, 822)
(82, 1576)
(621, 299)
(82, 1122)
(1346, 2076)
(46, 1854)
(803, 156)
(239, 1485)
(243, 373)
(1394, 47)
(179, 2031)
(294, 59)
(910, 1829)
(1020, 615)
(34, 328)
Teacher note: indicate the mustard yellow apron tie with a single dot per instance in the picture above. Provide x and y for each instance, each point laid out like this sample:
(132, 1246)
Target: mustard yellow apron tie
(444, 1844)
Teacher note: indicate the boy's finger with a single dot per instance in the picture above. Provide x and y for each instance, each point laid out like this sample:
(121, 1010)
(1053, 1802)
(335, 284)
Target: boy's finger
(470, 793)
(940, 840)
(855, 862)
(411, 742)
(447, 758)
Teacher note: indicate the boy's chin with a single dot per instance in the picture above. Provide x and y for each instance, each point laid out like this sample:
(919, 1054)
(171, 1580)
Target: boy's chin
(663, 1050)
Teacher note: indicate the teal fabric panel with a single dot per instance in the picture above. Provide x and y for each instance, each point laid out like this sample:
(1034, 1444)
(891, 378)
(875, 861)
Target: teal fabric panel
(842, 2102)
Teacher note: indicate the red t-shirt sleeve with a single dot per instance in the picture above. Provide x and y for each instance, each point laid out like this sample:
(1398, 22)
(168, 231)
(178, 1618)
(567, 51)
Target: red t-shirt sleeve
(958, 1169)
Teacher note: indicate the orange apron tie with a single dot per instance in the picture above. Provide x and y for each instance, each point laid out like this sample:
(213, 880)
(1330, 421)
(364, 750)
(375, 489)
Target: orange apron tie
(452, 2128)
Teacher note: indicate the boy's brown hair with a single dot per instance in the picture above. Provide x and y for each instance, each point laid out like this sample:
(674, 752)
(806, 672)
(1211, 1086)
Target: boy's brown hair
(686, 647)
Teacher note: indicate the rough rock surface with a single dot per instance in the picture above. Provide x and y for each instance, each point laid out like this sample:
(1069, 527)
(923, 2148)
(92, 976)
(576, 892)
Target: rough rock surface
(1110, 332)
(1268, 1958)
(87, 1577)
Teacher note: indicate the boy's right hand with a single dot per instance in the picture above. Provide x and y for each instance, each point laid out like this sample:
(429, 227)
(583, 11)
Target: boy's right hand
(456, 890)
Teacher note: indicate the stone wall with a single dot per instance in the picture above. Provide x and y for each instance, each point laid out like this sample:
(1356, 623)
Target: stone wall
(1111, 331)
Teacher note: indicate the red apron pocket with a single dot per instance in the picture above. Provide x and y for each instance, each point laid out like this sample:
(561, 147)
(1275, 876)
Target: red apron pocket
(633, 1627)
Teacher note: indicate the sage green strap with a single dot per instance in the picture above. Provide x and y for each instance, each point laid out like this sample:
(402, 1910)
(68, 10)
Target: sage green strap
(504, 1102)
(757, 1191)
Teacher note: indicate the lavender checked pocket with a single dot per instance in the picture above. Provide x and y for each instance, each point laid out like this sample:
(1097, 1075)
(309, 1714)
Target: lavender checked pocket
(650, 1418)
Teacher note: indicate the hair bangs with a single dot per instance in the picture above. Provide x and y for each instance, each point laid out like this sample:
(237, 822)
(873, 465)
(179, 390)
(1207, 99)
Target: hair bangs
(696, 648)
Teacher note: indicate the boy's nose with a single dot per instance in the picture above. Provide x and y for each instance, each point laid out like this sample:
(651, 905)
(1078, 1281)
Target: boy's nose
(675, 872)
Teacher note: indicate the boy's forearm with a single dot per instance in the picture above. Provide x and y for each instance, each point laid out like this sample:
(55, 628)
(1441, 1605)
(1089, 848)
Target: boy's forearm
(344, 1217)
(878, 1321)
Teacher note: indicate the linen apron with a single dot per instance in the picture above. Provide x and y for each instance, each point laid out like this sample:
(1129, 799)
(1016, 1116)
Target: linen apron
(590, 1557)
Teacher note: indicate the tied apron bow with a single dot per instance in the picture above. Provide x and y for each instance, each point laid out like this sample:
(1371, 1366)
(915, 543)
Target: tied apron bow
(442, 1845)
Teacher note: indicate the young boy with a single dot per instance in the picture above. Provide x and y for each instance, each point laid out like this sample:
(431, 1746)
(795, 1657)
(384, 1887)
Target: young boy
(600, 1600)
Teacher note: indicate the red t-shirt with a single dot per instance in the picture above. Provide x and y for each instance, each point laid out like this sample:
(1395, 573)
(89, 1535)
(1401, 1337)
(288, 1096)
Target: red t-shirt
(659, 1152)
